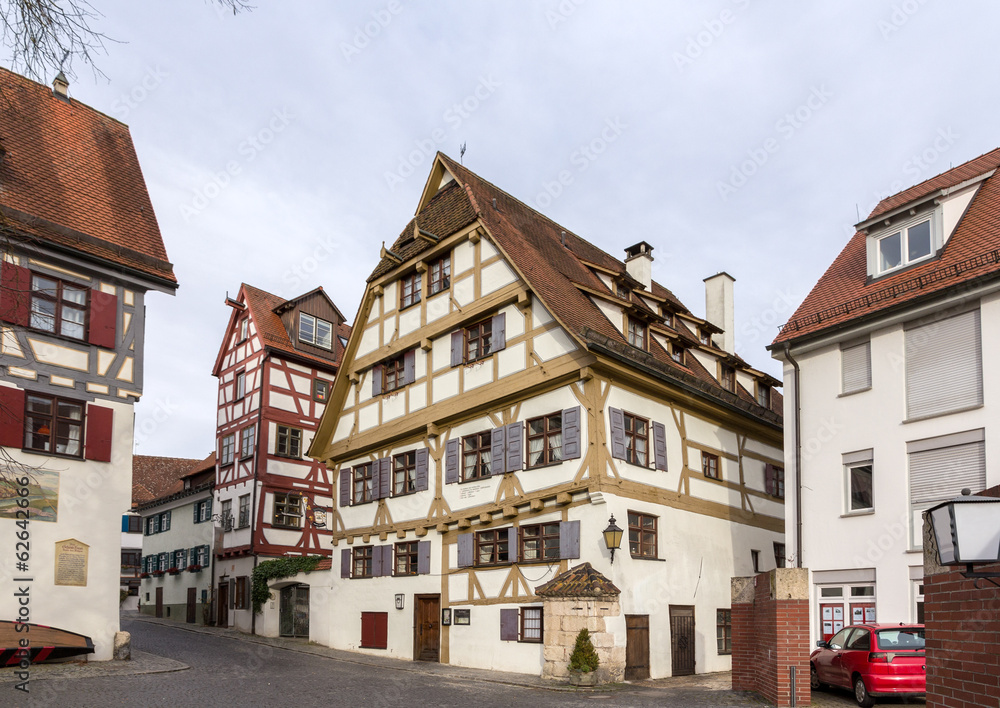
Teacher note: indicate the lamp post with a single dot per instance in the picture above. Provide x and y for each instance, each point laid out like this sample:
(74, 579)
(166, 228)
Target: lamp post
(967, 531)
(612, 537)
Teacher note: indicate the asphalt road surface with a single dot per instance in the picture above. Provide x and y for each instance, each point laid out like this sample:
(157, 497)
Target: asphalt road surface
(235, 672)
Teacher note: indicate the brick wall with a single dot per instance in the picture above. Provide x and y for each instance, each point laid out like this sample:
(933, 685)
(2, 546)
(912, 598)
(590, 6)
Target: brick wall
(963, 633)
(770, 615)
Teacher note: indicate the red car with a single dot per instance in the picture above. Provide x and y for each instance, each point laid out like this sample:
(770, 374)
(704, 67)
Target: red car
(873, 660)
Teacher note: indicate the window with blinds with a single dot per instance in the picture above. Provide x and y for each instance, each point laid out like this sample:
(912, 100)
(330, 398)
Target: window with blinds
(856, 368)
(944, 366)
(942, 472)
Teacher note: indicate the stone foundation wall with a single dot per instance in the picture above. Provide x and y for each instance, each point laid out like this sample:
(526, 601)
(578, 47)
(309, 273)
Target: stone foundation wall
(564, 618)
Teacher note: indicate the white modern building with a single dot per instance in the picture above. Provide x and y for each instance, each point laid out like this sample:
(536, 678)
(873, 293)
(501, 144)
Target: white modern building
(178, 538)
(889, 408)
(506, 389)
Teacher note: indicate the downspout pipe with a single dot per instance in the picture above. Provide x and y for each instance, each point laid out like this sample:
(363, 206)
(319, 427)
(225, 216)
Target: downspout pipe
(797, 418)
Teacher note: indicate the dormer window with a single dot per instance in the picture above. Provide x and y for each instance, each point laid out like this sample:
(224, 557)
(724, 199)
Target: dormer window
(637, 333)
(676, 352)
(704, 337)
(727, 377)
(904, 246)
(313, 330)
(764, 395)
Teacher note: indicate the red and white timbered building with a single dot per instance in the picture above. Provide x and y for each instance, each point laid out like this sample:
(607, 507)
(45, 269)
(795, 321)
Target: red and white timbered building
(275, 369)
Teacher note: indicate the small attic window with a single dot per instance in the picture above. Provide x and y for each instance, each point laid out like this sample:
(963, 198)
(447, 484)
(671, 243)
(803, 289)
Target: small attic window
(315, 331)
(905, 246)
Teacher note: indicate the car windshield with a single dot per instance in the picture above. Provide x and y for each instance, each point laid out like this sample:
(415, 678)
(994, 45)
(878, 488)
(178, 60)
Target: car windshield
(902, 638)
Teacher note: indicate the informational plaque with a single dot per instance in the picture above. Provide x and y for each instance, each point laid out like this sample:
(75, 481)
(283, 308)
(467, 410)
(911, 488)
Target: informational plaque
(71, 562)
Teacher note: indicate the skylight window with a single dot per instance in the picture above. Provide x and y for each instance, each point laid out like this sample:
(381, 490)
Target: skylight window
(904, 247)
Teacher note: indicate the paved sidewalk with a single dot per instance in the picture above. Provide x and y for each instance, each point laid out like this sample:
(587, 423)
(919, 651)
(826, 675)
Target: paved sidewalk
(141, 663)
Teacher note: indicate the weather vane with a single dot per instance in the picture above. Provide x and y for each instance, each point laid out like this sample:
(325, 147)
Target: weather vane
(461, 153)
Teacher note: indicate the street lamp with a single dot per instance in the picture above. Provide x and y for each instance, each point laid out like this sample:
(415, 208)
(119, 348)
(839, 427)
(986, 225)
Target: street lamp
(967, 531)
(612, 537)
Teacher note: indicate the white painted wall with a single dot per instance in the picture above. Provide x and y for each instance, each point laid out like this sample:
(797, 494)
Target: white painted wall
(834, 424)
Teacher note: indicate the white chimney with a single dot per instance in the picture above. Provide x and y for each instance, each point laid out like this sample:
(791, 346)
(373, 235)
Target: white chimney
(60, 85)
(719, 309)
(639, 263)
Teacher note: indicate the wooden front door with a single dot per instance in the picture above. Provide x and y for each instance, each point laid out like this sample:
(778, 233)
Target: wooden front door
(636, 647)
(192, 604)
(223, 618)
(159, 602)
(682, 640)
(426, 627)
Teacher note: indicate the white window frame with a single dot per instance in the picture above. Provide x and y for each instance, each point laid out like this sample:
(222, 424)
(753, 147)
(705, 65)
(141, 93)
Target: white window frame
(315, 338)
(903, 229)
(852, 461)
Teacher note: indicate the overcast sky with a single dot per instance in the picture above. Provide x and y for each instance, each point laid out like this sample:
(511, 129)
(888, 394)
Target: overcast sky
(281, 147)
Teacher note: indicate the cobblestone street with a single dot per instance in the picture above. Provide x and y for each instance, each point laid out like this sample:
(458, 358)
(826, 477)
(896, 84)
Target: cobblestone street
(178, 665)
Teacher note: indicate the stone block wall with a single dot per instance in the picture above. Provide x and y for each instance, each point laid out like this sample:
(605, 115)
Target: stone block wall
(564, 618)
(770, 624)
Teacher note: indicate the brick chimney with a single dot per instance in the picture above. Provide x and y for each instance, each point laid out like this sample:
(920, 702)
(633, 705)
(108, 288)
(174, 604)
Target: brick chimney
(720, 310)
(639, 263)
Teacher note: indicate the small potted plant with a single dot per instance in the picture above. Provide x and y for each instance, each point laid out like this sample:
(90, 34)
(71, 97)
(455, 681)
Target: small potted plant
(583, 661)
(173, 571)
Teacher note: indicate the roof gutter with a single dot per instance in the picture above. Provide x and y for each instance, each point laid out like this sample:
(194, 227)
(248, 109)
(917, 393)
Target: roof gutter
(796, 418)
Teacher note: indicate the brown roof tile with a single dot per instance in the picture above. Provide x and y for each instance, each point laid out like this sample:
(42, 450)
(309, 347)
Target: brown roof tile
(844, 293)
(579, 581)
(155, 477)
(75, 172)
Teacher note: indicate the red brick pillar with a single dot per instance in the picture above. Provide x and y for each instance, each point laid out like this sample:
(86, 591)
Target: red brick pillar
(770, 620)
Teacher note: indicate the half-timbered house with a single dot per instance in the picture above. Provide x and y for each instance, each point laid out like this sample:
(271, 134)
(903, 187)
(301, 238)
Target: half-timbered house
(507, 389)
(81, 249)
(276, 368)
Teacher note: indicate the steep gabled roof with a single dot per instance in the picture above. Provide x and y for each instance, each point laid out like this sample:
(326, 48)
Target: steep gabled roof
(559, 267)
(70, 178)
(579, 581)
(264, 309)
(845, 293)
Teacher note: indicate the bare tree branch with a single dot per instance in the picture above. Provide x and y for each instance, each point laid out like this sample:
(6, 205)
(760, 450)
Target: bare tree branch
(45, 36)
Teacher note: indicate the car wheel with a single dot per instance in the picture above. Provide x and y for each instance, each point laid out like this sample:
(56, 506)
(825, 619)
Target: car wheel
(861, 694)
(814, 682)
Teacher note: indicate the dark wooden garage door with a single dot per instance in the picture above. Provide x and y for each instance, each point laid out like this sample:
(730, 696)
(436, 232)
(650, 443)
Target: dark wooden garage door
(636, 647)
(682, 640)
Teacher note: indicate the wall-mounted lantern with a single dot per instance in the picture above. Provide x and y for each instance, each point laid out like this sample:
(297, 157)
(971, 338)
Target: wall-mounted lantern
(612, 537)
(967, 531)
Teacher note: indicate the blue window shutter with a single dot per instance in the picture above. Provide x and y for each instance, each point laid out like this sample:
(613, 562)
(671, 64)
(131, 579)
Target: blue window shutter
(376, 480)
(387, 560)
(345, 563)
(451, 462)
(209, 512)
(571, 433)
(197, 506)
(385, 478)
(499, 340)
(617, 433)
(377, 380)
(515, 447)
(508, 625)
(377, 562)
(660, 446)
(410, 366)
(423, 557)
(345, 488)
(497, 447)
(465, 550)
(569, 539)
(457, 347)
(423, 457)
(125, 523)
(512, 549)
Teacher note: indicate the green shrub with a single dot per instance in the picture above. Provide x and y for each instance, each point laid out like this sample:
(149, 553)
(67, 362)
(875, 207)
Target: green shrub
(584, 656)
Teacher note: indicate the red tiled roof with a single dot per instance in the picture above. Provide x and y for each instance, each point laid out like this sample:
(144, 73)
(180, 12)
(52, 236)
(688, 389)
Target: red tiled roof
(155, 477)
(272, 332)
(554, 263)
(71, 177)
(844, 292)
